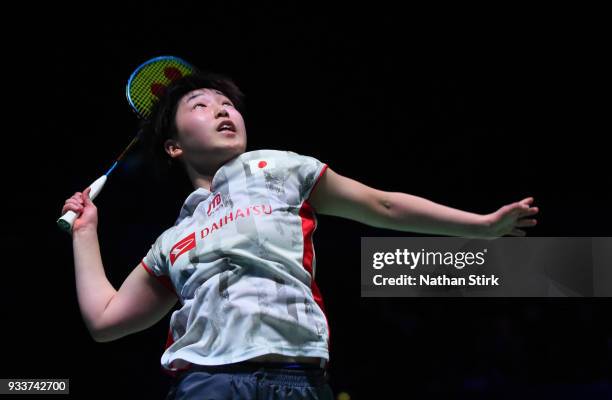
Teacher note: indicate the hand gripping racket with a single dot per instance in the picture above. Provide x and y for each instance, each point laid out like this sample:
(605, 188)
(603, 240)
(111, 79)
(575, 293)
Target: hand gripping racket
(146, 84)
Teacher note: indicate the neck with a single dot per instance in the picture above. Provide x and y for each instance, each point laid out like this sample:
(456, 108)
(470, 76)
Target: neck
(200, 177)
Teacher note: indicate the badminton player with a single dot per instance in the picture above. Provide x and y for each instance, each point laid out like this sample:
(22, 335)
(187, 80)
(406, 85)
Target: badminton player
(240, 258)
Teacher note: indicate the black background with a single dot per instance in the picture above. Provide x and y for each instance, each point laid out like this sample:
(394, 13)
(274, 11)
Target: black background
(471, 108)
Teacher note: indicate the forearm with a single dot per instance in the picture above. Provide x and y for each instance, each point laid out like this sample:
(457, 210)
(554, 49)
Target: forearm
(94, 291)
(406, 212)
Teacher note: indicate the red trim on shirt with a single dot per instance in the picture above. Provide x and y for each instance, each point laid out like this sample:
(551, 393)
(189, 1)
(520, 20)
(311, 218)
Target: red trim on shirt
(309, 225)
(164, 280)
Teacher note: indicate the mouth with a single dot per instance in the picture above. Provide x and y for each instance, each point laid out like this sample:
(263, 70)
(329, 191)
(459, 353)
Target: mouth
(226, 126)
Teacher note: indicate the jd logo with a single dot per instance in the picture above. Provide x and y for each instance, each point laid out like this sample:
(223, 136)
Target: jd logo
(214, 204)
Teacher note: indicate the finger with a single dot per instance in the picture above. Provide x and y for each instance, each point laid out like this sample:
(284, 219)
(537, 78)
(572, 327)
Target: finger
(86, 198)
(76, 199)
(526, 222)
(518, 232)
(72, 207)
(74, 203)
(530, 211)
(527, 200)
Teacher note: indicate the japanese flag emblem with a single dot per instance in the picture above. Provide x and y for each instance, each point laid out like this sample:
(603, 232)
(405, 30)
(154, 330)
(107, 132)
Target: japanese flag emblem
(260, 165)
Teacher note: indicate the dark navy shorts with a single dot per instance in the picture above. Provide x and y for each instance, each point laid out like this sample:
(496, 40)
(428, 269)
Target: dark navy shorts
(251, 380)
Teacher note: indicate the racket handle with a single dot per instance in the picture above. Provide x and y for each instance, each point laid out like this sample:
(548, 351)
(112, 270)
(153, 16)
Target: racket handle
(66, 221)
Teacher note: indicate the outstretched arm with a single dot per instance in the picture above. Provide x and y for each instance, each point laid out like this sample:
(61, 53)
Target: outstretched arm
(340, 196)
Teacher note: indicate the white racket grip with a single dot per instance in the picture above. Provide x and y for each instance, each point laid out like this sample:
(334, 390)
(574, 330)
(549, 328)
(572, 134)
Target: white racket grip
(66, 221)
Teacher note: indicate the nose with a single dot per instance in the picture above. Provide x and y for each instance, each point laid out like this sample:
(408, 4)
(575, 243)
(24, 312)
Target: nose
(221, 112)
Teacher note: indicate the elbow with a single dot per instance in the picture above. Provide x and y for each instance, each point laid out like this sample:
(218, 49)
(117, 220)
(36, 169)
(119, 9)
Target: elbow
(385, 203)
(379, 213)
(385, 206)
(99, 337)
(102, 335)
(96, 336)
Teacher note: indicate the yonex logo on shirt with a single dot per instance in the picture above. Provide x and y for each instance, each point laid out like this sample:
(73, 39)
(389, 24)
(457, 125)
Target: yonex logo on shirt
(181, 247)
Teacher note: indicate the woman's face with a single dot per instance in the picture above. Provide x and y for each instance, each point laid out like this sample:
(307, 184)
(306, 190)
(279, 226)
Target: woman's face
(203, 140)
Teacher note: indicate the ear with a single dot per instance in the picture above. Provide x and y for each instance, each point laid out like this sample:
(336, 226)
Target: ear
(173, 148)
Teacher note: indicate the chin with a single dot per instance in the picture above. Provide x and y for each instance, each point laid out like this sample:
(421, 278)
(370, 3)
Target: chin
(238, 146)
(232, 150)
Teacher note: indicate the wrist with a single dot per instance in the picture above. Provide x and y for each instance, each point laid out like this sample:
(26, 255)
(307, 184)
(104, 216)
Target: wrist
(484, 225)
(85, 231)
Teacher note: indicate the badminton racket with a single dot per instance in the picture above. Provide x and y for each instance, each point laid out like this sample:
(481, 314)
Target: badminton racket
(146, 84)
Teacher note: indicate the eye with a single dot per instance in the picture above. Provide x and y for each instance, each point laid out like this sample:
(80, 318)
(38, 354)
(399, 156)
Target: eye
(229, 104)
(199, 104)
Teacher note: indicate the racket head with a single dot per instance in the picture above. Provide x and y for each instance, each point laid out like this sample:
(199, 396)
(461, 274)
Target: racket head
(149, 81)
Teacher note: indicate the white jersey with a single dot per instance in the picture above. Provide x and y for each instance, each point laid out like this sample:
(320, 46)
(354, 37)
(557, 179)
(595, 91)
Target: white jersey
(241, 260)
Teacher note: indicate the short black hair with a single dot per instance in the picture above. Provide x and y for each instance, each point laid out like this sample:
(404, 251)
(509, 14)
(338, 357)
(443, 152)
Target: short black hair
(161, 124)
